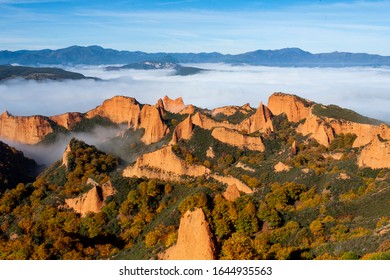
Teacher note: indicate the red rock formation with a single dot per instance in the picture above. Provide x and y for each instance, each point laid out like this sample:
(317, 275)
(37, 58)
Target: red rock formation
(119, 109)
(376, 154)
(27, 130)
(231, 110)
(364, 132)
(294, 107)
(67, 120)
(182, 131)
(205, 122)
(231, 193)
(164, 164)
(173, 106)
(280, 167)
(92, 201)
(194, 239)
(229, 180)
(188, 110)
(65, 156)
(260, 121)
(235, 138)
(318, 129)
(150, 120)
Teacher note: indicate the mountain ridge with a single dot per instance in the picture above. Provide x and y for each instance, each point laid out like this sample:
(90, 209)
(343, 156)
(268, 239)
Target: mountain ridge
(285, 57)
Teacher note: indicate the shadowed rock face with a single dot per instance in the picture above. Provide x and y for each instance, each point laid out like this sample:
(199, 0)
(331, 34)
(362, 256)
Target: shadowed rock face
(194, 239)
(294, 107)
(27, 130)
(376, 154)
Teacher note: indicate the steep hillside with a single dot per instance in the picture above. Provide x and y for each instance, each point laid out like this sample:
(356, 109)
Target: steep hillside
(15, 167)
(283, 181)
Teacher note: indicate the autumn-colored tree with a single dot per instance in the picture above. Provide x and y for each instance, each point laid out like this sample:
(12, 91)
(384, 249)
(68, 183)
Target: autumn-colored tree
(238, 247)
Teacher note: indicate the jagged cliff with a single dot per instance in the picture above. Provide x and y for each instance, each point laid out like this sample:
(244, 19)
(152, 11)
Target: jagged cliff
(231, 110)
(164, 164)
(318, 129)
(119, 109)
(208, 123)
(27, 130)
(194, 239)
(182, 131)
(67, 120)
(237, 139)
(295, 108)
(260, 121)
(375, 154)
(150, 120)
(173, 106)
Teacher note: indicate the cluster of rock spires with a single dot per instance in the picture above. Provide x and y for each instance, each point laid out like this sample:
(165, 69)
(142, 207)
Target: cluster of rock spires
(121, 109)
(194, 231)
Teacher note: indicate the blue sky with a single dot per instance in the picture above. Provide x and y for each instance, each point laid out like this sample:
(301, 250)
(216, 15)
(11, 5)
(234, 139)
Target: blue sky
(197, 25)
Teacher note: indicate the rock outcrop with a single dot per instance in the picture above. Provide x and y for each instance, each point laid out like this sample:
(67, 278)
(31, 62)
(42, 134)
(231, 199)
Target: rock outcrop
(150, 120)
(194, 239)
(165, 165)
(231, 193)
(206, 122)
(324, 130)
(280, 167)
(364, 132)
(65, 156)
(231, 110)
(294, 107)
(67, 120)
(173, 106)
(92, 201)
(119, 109)
(318, 129)
(260, 121)
(229, 180)
(188, 110)
(237, 139)
(26, 130)
(376, 154)
(182, 131)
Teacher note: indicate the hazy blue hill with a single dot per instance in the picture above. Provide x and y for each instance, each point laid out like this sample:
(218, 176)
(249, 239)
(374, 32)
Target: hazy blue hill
(37, 73)
(96, 55)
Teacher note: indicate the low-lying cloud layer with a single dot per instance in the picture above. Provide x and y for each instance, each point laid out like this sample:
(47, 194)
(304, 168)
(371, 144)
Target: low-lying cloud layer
(49, 153)
(366, 90)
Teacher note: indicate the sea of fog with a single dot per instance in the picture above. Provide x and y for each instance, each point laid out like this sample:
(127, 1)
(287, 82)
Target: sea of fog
(365, 90)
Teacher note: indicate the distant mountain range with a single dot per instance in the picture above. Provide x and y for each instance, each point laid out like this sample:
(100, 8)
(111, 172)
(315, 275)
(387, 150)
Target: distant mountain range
(96, 55)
